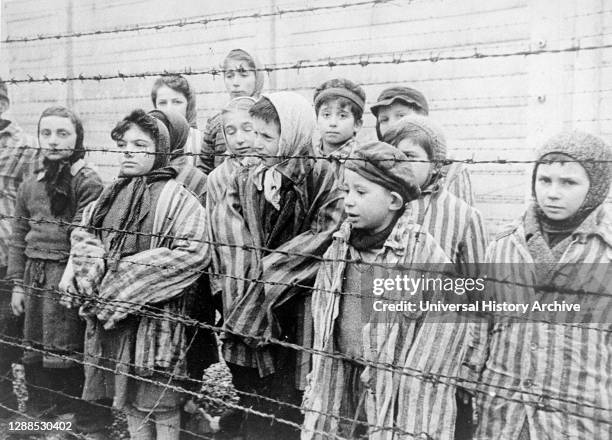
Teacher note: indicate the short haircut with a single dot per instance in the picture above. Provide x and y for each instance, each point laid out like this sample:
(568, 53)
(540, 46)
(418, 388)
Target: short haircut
(264, 109)
(398, 133)
(64, 112)
(342, 83)
(175, 82)
(142, 120)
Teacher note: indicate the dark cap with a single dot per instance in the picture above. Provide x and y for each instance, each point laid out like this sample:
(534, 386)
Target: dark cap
(400, 94)
(386, 166)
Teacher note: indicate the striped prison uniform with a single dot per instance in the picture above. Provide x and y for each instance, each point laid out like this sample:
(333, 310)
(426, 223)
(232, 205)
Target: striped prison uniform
(252, 310)
(458, 228)
(158, 276)
(554, 375)
(18, 156)
(393, 401)
(458, 182)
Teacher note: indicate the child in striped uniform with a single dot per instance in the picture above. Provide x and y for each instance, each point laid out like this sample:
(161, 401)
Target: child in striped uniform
(243, 75)
(173, 92)
(141, 248)
(48, 205)
(339, 105)
(191, 177)
(279, 217)
(549, 377)
(458, 227)
(18, 157)
(346, 395)
(397, 102)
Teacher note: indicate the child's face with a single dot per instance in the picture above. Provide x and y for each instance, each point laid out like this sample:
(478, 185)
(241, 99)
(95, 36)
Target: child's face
(57, 137)
(239, 81)
(239, 131)
(169, 99)
(421, 170)
(390, 114)
(368, 205)
(561, 188)
(336, 123)
(138, 147)
(267, 138)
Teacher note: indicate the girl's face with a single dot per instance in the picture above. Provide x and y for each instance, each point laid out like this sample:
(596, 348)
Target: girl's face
(239, 80)
(267, 141)
(57, 137)
(421, 170)
(561, 188)
(138, 152)
(170, 99)
(239, 131)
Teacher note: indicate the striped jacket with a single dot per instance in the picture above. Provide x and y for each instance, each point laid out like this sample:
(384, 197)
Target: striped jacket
(555, 375)
(318, 212)
(458, 228)
(190, 177)
(223, 283)
(18, 155)
(457, 181)
(213, 145)
(402, 340)
(156, 277)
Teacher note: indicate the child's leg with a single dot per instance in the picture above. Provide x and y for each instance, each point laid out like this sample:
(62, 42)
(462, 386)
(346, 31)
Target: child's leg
(138, 428)
(168, 425)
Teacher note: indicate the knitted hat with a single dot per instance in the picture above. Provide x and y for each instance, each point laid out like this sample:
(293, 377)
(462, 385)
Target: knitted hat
(423, 131)
(401, 94)
(594, 156)
(386, 166)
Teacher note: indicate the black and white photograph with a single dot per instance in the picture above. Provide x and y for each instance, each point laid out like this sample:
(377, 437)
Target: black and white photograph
(305, 220)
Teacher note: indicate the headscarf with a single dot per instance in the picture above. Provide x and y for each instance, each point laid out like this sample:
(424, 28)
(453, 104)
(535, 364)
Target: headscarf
(425, 132)
(58, 176)
(178, 130)
(243, 103)
(594, 156)
(179, 84)
(241, 54)
(133, 210)
(297, 127)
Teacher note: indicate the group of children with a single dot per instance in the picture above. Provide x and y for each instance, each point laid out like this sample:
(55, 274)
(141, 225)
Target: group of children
(118, 285)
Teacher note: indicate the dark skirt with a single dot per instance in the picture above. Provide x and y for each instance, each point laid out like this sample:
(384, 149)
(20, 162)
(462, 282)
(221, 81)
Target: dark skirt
(47, 324)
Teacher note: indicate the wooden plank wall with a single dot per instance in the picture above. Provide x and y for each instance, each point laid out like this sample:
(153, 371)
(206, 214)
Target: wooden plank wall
(490, 106)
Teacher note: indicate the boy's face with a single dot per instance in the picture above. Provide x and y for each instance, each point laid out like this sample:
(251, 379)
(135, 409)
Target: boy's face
(239, 131)
(390, 114)
(368, 205)
(561, 188)
(138, 147)
(336, 123)
(57, 137)
(267, 138)
(421, 170)
(239, 81)
(169, 99)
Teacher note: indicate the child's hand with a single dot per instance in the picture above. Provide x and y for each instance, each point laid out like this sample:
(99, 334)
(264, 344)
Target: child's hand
(18, 301)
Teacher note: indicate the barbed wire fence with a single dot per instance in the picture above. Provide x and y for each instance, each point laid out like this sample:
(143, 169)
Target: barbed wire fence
(546, 400)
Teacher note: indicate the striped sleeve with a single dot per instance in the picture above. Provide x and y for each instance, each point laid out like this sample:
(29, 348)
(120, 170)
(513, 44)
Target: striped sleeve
(459, 183)
(170, 269)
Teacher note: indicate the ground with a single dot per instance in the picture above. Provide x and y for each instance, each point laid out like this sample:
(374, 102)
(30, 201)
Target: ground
(217, 384)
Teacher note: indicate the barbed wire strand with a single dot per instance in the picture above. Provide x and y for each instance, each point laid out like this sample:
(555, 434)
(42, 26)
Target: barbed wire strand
(363, 60)
(205, 20)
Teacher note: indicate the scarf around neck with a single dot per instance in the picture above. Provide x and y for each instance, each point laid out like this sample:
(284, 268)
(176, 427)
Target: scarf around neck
(363, 239)
(133, 209)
